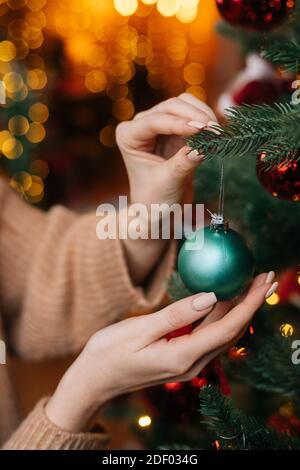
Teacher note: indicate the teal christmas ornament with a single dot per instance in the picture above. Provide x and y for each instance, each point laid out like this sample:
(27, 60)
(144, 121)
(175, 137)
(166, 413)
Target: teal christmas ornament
(222, 264)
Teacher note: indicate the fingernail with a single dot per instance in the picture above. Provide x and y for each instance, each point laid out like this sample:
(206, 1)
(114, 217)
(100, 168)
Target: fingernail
(195, 156)
(204, 300)
(197, 124)
(271, 290)
(211, 124)
(270, 277)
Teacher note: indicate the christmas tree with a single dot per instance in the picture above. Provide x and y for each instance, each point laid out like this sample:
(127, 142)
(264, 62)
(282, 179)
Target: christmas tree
(257, 144)
(55, 65)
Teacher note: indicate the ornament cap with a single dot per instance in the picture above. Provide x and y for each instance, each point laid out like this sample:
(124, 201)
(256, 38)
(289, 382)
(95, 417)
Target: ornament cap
(218, 223)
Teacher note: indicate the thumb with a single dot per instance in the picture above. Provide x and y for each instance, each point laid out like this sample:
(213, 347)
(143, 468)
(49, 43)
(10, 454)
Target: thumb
(183, 163)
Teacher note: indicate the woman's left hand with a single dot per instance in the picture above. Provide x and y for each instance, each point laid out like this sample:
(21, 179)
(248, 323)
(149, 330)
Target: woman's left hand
(152, 145)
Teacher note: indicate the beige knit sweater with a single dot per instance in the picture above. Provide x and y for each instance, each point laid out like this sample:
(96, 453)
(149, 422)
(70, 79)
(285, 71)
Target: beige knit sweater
(58, 284)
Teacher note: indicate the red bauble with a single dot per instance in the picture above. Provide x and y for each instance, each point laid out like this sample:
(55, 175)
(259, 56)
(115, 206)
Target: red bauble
(255, 14)
(260, 91)
(282, 180)
(185, 330)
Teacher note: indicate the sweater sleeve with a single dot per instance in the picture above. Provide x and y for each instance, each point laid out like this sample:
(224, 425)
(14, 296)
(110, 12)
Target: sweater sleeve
(37, 432)
(59, 283)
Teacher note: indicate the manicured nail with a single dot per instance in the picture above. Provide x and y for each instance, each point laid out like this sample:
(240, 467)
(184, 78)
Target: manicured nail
(195, 156)
(197, 124)
(270, 277)
(271, 290)
(211, 124)
(204, 300)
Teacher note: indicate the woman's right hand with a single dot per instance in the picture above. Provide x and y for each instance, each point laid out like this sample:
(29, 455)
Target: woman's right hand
(135, 354)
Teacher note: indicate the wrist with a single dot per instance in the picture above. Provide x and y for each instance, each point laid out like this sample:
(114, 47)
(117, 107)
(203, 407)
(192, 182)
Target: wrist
(74, 403)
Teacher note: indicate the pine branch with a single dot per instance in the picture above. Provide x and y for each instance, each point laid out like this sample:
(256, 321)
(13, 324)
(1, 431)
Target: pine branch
(251, 129)
(234, 430)
(270, 368)
(285, 54)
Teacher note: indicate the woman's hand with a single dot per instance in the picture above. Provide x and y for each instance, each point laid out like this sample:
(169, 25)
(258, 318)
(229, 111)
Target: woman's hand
(153, 149)
(158, 164)
(134, 353)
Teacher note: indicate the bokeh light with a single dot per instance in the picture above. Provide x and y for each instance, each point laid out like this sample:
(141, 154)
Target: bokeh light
(7, 51)
(107, 46)
(36, 132)
(168, 7)
(274, 299)
(38, 112)
(107, 136)
(12, 148)
(18, 125)
(126, 7)
(144, 421)
(286, 330)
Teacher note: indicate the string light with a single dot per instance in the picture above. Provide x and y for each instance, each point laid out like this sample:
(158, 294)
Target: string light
(199, 382)
(172, 386)
(286, 330)
(274, 299)
(237, 353)
(144, 421)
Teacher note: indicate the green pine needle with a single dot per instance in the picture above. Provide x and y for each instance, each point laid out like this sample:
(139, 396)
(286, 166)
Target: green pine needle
(252, 130)
(285, 54)
(235, 430)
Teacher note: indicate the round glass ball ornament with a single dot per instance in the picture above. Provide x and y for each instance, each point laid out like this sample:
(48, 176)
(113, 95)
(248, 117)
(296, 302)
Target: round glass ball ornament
(222, 264)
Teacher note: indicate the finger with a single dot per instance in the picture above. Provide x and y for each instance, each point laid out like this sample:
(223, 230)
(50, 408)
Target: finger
(178, 107)
(222, 308)
(219, 311)
(259, 280)
(192, 372)
(183, 163)
(145, 129)
(179, 314)
(223, 331)
(191, 99)
(185, 105)
(201, 364)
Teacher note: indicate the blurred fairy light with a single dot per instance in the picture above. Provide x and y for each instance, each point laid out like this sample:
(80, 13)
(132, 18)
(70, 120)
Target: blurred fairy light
(237, 352)
(274, 299)
(22, 70)
(126, 7)
(144, 421)
(105, 43)
(286, 330)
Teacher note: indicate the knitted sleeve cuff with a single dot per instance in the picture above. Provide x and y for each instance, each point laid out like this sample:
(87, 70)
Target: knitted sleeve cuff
(37, 432)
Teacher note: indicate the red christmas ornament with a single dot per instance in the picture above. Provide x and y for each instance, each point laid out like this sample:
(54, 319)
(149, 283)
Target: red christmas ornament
(255, 14)
(284, 425)
(282, 180)
(185, 330)
(289, 287)
(260, 91)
